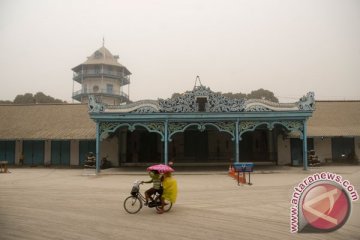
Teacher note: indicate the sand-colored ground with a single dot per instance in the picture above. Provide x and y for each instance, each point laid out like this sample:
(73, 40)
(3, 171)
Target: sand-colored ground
(43, 204)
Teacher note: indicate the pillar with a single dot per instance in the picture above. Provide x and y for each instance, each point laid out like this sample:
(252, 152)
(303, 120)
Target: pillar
(123, 146)
(237, 141)
(270, 144)
(305, 163)
(166, 141)
(97, 148)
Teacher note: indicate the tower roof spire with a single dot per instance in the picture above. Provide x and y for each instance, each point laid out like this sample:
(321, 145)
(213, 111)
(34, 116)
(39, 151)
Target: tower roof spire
(197, 81)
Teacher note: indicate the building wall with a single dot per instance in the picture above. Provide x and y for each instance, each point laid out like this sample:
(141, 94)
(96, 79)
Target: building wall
(219, 146)
(89, 83)
(176, 145)
(47, 153)
(322, 147)
(110, 148)
(357, 148)
(74, 153)
(122, 146)
(18, 151)
(110, 100)
(284, 150)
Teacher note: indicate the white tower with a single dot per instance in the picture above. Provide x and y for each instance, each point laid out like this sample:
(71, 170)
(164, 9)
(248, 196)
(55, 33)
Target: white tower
(102, 76)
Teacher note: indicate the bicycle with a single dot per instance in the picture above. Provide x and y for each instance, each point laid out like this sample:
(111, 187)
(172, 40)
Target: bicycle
(135, 202)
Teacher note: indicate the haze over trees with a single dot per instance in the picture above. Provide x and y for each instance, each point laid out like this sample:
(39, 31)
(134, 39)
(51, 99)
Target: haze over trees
(29, 98)
(256, 94)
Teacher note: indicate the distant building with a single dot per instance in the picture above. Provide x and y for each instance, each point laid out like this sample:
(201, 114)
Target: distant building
(104, 77)
(199, 127)
(46, 134)
(63, 134)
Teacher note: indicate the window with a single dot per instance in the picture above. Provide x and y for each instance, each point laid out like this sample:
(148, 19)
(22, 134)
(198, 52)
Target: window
(343, 149)
(201, 101)
(98, 54)
(95, 88)
(97, 69)
(196, 144)
(109, 88)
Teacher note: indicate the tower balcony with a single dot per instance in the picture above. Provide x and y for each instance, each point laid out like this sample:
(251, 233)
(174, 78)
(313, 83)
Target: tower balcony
(122, 96)
(124, 79)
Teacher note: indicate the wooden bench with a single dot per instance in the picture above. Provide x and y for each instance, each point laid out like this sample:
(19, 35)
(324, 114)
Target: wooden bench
(4, 166)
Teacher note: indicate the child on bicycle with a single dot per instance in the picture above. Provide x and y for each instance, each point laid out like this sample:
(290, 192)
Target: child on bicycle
(170, 190)
(156, 188)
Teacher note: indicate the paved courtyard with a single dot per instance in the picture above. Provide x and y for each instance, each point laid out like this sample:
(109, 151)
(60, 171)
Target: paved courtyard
(45, 203)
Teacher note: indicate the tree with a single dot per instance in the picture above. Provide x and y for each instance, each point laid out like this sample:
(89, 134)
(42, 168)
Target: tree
(175, 95)
(42, 98)
(234, 95)
(257, 94)
(29, 98)
(262, 94)
(26, 98)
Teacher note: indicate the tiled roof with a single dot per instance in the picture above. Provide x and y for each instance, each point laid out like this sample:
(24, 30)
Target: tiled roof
(335, 118)
(102, 56)
(72, 121)
(46, 121)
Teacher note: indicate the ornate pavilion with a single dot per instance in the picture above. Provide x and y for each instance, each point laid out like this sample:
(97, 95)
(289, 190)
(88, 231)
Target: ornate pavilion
(200, 126)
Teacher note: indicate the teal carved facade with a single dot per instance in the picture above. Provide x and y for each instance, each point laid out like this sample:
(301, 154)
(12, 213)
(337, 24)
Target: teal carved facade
(201, 109)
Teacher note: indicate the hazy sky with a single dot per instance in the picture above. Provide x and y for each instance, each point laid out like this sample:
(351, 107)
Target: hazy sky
(286, 46)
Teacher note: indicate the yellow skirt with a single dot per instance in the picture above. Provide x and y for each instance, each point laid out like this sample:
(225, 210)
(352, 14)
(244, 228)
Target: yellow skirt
(170, 189)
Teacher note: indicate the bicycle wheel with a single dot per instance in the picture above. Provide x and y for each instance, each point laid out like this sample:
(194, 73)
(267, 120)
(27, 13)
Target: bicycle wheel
(132, 204)
(167, 206)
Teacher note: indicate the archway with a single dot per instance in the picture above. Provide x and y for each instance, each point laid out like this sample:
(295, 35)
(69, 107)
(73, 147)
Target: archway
(199, 147)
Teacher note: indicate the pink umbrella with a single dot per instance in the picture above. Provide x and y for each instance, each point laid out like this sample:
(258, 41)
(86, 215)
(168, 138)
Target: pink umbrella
(162, 168)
